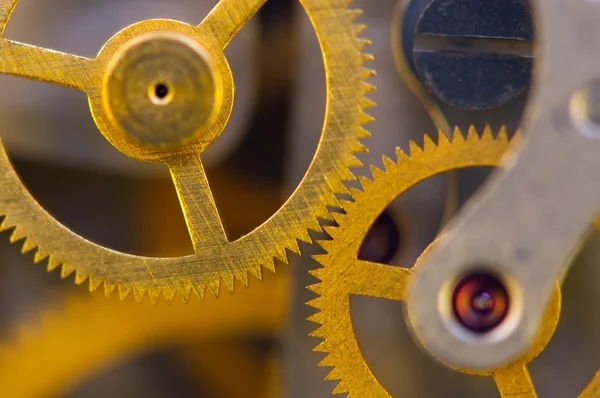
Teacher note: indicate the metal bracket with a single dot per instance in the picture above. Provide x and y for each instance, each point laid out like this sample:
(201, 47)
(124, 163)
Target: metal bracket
(530, 217)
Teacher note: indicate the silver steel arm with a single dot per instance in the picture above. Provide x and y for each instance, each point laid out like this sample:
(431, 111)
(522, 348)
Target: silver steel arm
(529, 218)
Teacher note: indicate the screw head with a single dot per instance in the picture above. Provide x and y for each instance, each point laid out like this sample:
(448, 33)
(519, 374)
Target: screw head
(474, 55)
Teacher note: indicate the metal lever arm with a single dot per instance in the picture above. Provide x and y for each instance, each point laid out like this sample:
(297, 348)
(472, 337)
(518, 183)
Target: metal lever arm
(529, 218)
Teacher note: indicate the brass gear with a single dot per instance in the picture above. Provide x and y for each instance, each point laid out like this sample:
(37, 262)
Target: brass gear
(216, 259)
(38, 361)
(343, 275)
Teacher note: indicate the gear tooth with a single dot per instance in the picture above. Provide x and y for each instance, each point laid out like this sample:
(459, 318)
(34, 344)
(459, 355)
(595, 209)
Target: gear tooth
(387, 163)
(124, 291)
(443, 141)
(318, 288)
(213, 286)
(356, 147)
(428, 144)
(153, 294)
(340, 389)
(80, 278)
(365, 118)
(368, 88)
(339, 218)
(367, 103)
(66, 270)
(488, 134)
(415, 150)
(376, 172)
(502, 135)
(364, 181)
(457, 136)
(94, 283)
(228, 280)
(138, 293)
(109, 288)
(334, 375)
(16, 236)
(28, 245)
(325, 244)
(304, 235)
(40, 256)
(52, 263)
(4, 224)
(323, 347)
(354, 13)
(400, 155)
(367, 73)
(360, 41)
(169, 294)
(354, 192)
(199, 290)
(362, 133)
(242, 277)
(472, 134)
(184, 293)
(366, 57)
(256, 272)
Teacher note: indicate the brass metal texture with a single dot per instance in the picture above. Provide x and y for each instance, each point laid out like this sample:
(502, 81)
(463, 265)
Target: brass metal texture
(344, 275)
(216, 259)
(529, 218)
(92, 333)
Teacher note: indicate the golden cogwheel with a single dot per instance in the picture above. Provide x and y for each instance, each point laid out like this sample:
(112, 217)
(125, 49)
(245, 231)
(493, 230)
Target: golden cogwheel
(161, 91)
(100, 332)
(344, 275)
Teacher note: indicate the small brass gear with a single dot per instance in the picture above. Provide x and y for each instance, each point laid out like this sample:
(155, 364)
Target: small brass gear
(161, 91)
(344, 275)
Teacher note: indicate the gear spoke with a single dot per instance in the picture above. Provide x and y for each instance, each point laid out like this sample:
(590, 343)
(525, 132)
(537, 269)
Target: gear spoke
(379, 280)
(227, 18)
(515, 382)
(197, 203)
(36, 63)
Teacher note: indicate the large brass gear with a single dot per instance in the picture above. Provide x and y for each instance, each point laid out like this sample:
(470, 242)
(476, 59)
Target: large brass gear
(100, 332)
(198, 51)
(344, 275)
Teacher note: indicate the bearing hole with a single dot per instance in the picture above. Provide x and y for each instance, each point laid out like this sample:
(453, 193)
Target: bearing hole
(480, 302)
(160, 94)
(161, 91)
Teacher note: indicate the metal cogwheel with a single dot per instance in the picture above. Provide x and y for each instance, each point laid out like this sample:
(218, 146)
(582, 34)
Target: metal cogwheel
(102, 331)
(142, 88)
(344, 275)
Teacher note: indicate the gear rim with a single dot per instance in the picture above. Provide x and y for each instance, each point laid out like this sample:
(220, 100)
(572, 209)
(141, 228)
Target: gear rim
(342, 130)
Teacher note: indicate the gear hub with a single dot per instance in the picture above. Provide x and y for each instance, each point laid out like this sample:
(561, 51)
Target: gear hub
(161, 90)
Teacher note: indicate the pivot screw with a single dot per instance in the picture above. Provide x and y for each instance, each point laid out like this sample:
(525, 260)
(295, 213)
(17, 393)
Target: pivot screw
(474, 54)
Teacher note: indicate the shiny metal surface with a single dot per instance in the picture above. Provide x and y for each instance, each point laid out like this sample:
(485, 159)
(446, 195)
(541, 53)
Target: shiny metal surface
(518, 227)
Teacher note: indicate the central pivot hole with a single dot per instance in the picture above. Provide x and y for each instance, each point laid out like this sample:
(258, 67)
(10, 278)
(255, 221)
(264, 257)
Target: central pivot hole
(161, 93)
(480, 302)
(161, 90)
